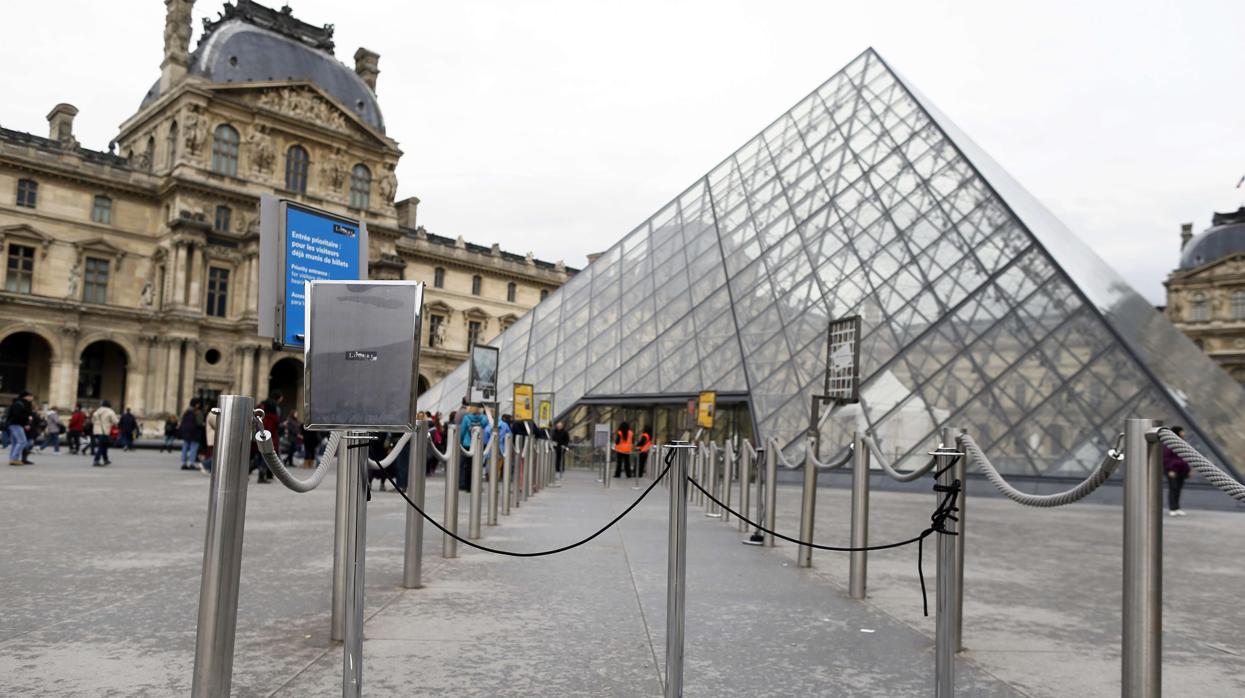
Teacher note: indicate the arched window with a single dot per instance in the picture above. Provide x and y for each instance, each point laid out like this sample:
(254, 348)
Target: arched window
(360, 186)
(1238, 305)
(101, 210)
(476, 284)
(438, 277)
(170, 146)
(297, 163)
(225, 150)
(1199, 309)
(511, 291)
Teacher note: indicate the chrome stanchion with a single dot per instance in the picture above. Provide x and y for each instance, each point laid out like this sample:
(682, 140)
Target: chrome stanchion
(745, 482)
(961, 472)
(222, 549)
(520, 447)
(1143, 561)
(808, 504)
(859, 560)
(676, 570)
(494, 473)
(945, 613)
(341, 526)
(711, 472)
(728, 476)
(477, 484)
(771, 492)
(609, 471)
(528, 465)
(356, 551)
(449, 546)
(413, 561)
(507, 474)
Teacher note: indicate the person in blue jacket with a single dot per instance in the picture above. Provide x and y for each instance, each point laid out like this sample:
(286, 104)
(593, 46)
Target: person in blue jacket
(474, 418)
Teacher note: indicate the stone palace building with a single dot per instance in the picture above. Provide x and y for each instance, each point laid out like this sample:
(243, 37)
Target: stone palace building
(1206, 294)
(130, 274)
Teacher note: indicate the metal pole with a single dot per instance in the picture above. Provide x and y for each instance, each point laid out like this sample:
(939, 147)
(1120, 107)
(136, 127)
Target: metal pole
(527, 466)
(745, 482)
(449, 546)
(676, 571)
(711, 472)
(520, 444)
(222, 550)
(341, 526)
(412, 565)
(771, 492)
(494, 471)
(507, 474)
(961, 474)
(352, 648)
(477, 484)
(808, 504)
(1143, 560)
(609, 471)
(945, 613)
(728, 476)
(859, 561)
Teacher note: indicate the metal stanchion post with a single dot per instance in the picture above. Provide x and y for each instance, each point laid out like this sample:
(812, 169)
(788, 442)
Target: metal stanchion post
(449, 546)
(745, 483)
(676, 570)
(520, 447)
(413, 562)
(771, 491)
(859, 561)
(945, 613)
(961, 472)
(808, 504)
(222, 549)
(1143, 561)
(728, 476)
(494, 467)
(477, 484)
(337, 628)
(352, 647)
(609, 471)
(507, 474)
(527, 466)
(711, 472)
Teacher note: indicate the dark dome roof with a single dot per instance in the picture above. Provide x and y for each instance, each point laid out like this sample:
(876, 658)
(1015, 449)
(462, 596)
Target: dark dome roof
(1224, 238)
(238, 52)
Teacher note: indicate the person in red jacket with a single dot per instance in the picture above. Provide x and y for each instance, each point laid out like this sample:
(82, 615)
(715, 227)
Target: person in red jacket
(77, 422)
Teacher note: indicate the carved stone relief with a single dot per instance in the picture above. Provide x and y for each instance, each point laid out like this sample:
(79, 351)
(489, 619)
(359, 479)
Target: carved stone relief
(263, 156)
(305, 105)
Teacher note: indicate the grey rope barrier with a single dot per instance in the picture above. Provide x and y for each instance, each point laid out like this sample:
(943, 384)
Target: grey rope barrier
(1099, 475)
(832, 464)
(782, 459)
(392, 456)
(1201, 464)
(442, 456)
(263, 441)
(876, 452)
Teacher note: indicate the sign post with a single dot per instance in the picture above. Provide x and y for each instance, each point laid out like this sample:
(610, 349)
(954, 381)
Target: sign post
(482, 373)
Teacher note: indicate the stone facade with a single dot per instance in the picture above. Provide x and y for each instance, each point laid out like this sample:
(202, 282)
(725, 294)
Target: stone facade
(131, 275)
(1206, 295)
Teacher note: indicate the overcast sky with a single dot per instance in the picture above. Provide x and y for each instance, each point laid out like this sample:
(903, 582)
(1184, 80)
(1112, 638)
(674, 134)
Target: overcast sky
(555, 127)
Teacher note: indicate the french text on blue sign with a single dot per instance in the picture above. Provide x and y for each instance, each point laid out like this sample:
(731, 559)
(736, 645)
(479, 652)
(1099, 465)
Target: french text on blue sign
(317, 248)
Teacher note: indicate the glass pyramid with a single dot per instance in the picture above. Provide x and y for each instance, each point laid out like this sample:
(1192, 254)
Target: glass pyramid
(980, 310)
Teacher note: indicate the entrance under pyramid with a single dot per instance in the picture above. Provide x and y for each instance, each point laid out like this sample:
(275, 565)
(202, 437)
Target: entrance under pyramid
(980, 311)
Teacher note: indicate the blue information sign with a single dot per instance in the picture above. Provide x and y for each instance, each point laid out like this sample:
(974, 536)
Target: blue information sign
(318, 247)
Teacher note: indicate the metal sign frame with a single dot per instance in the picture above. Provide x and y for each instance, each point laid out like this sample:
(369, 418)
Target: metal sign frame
(277, 283)
(479, 396)
(542, 420)
(842, 384)
(706, 409)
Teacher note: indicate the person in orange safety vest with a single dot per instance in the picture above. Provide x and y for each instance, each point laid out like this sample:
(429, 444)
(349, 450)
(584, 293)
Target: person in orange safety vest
(623, 439)
(644, 443)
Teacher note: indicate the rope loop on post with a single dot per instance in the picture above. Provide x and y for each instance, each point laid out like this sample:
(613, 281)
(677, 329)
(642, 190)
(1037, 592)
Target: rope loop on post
(890, 470)
(831, 464)
(1095, 479)
(263, 441)
(1201, 464)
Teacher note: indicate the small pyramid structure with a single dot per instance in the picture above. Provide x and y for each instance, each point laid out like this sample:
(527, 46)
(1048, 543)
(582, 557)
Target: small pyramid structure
(980, 310)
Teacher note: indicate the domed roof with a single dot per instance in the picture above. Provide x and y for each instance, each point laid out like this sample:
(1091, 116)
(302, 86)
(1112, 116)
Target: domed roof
(1224, 238)
(234, 49)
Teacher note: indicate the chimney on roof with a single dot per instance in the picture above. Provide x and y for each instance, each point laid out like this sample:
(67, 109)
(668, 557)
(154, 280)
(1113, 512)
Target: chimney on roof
(406, 212)
(176, 42)
(366, 66)
(60, 123)
(1186, 234)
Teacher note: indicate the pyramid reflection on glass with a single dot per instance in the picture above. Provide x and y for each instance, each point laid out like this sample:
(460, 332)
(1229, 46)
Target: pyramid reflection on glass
(981, 311)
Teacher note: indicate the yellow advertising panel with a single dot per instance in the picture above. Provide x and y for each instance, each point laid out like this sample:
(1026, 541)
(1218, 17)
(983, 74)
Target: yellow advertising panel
(546, 414)
(706, 406)
(523, 401)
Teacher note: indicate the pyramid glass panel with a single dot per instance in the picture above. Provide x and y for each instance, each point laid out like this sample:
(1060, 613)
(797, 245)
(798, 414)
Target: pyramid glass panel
(979, 309)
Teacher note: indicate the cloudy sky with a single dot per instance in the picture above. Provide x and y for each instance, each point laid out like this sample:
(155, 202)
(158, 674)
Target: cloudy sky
(556, 126)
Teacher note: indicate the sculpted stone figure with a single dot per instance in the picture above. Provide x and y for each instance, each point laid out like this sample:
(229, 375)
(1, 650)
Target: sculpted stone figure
(194, 130)
(388, 184)
(262, 155)
(177, 27)
(75, 279)
(148, 294)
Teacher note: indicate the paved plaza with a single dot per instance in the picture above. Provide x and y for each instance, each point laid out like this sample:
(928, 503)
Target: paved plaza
(99, 576)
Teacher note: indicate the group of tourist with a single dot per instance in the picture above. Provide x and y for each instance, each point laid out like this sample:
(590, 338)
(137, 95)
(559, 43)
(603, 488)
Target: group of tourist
(27, 428)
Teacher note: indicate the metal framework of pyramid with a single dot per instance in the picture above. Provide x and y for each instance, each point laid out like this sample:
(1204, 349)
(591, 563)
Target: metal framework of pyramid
(980, 310)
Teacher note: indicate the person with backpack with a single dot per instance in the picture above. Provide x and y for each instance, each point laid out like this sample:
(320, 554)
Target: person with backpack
(128, 426)
(18, 419)
(103, 420)
(190, 429)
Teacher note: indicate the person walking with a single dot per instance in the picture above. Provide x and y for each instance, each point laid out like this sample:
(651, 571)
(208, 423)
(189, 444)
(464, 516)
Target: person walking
(472, 419)
(170, 433)
(209, 442)
(1177, 471)
(311, 443)
(190, 429)
(644, 445)
(623, 443)
(88, 433)
(561, 440)
(128, 426)
(271, 423)
(103, 419)
(77, 422)
(54, 430)
(436, 437)
(18, 419)
(292, 429)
